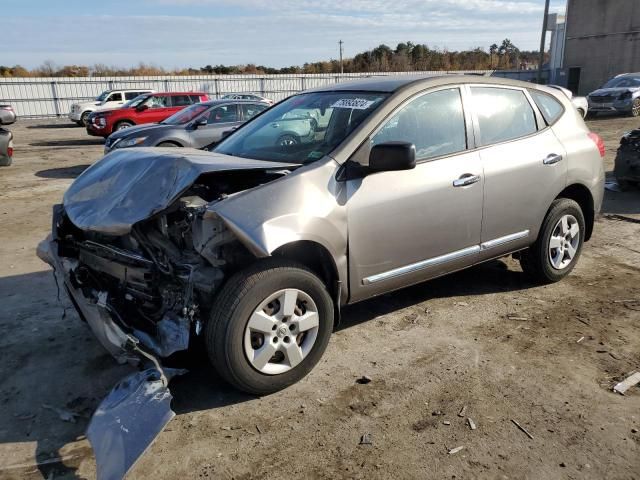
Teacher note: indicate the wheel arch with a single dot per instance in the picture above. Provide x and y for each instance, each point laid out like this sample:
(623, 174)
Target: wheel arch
(582, 196)
(317, 258)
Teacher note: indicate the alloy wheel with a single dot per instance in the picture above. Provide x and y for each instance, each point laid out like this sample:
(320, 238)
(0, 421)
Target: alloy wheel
(564, 242)
(281, 331)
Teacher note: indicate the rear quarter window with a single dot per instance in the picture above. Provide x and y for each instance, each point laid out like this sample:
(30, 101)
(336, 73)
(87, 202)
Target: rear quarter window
(550, 108)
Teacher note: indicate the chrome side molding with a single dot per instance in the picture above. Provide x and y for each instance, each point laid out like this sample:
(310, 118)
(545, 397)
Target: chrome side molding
(496, 242)
(448, 257)
(430, 262)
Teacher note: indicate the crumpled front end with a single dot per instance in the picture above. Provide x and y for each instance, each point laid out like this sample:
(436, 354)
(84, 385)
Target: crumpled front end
(141, 253)
(627, 164)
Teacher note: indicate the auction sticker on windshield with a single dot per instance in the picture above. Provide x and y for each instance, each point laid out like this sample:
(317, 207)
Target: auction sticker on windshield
(356, 103)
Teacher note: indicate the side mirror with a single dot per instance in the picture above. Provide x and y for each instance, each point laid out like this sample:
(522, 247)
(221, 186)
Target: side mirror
(392, 156)
(200, 122)
(142, 108)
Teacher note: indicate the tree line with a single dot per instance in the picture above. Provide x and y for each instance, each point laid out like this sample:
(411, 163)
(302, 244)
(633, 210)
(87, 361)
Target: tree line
(407, 56)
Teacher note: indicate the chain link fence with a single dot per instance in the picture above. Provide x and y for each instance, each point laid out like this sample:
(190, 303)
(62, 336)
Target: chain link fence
(53, 97)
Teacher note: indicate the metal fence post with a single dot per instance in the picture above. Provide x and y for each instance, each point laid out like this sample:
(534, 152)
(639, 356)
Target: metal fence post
(262, 86)
(54, 94)
(215, 84)
(302, 84)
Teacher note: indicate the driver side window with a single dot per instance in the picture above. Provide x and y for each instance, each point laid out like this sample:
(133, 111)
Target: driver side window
(433, 122)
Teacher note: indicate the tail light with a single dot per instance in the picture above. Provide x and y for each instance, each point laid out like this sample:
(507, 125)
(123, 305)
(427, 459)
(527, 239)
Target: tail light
(10, 151)
(598, 141)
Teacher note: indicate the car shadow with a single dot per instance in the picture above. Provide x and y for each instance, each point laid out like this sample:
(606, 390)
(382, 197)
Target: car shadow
(53, 360)
(63, 172)
(483, 279)
(621, 203)
(69, 143)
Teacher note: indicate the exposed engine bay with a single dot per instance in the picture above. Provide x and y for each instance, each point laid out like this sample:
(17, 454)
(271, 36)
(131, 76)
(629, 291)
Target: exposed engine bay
(158, 280)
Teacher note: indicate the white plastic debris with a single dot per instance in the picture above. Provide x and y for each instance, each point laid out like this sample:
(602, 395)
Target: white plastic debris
(627, 383)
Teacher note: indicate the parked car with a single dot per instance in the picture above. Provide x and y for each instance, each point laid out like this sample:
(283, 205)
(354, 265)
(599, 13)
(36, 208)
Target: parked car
(257, 245)
(79, 112)
(147, 108)
(627, 163)
(247, 96)
(7, 117)
(581, 103)
(621, 94)
(196, 126)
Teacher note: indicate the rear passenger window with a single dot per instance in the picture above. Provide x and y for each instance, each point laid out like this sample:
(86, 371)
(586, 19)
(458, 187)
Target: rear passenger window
(131, 95)
(433, 122)
(251, 109)
(503, 114)
(551, 108)
(181, 100)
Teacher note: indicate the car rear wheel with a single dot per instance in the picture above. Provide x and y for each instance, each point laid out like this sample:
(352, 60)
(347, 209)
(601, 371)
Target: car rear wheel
(122, 125)
(269, 326)
(557, 249)
(635, 108)
(5, 161)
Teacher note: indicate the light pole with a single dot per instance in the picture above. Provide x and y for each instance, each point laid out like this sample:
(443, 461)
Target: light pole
(341, 67)
(543, 38)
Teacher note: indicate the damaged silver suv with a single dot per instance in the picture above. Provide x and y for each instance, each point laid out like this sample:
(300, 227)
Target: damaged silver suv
(257, 245)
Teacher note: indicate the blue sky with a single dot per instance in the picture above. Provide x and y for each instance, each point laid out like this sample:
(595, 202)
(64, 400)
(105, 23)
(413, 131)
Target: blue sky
(180, 33)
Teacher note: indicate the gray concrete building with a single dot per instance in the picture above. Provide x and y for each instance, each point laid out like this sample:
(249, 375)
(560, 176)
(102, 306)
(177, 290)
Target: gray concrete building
(602, 40)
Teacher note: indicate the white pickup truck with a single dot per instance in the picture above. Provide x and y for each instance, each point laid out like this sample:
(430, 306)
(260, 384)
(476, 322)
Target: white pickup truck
(108, 99)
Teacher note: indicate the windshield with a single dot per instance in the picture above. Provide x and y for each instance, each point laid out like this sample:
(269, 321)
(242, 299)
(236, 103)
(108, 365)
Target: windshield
(623, 82)
(103, 96)
(303, 128)
(186, 114)
(134, 102)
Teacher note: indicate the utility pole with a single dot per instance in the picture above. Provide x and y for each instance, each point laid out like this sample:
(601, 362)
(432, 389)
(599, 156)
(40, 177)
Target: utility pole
(543, 38)
(341, 67)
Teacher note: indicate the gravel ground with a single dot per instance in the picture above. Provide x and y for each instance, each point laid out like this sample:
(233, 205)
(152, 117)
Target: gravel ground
(546, 357)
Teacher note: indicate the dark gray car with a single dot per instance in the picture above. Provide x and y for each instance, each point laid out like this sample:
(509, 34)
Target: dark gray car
(197, 126)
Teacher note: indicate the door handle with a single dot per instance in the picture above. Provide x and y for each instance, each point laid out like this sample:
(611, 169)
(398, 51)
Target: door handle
(275, 125)
(552, 158)
(466, 179)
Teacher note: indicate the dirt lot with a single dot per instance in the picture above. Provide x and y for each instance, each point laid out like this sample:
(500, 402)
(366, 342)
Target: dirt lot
(546, 357)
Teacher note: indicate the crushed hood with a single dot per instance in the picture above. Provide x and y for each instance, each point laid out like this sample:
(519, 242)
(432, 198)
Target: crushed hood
(130, 185)
(614, 92)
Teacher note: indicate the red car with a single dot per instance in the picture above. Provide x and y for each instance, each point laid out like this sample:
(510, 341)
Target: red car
(145, 108)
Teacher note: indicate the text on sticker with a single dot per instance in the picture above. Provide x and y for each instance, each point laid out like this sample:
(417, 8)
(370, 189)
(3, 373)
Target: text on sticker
(356, 103)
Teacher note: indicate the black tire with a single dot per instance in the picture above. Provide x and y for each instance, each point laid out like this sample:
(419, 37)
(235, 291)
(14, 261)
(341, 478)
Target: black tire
(168, 144)
(635, 108)
(591, 115)
(5, 161)
(535, 261)
(287, 139)
(121, 125)
(84, 119)
(79, 123)
(232, 309)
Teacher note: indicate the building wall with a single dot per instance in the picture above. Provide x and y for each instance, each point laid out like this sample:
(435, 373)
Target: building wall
(603, 39)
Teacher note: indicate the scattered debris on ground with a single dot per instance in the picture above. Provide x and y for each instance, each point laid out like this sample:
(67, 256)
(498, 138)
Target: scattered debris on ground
(522, 428)
(455, 450)
(627, 383)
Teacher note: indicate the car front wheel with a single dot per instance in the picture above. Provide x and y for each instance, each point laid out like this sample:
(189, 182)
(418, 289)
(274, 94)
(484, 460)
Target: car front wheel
(269, 326)
(557, 249)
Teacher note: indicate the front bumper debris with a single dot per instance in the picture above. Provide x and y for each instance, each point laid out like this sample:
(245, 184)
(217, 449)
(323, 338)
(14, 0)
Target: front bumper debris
(133, 414)
(128, 420)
